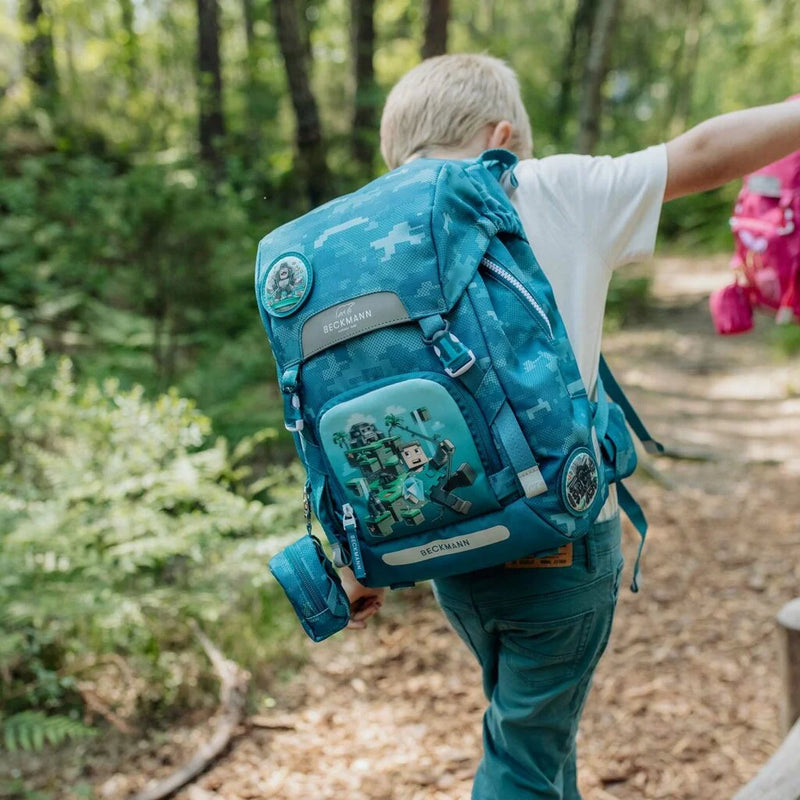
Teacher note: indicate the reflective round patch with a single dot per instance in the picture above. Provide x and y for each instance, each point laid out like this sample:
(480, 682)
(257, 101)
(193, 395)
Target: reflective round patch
(580, 481)
(287, 285)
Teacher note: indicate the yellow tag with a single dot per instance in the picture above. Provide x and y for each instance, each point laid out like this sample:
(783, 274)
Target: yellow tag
(561, 558)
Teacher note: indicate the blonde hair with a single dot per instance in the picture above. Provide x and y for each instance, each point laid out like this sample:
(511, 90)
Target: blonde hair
(446, 100)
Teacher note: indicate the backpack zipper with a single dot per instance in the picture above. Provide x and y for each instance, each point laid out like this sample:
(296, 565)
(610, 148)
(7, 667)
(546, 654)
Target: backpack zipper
(517, 286)
(305, 579)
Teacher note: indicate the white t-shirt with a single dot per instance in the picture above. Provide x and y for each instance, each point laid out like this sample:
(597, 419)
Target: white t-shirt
(584, 217)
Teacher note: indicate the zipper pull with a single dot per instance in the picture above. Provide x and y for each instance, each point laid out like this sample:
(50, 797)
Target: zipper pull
(350, 526)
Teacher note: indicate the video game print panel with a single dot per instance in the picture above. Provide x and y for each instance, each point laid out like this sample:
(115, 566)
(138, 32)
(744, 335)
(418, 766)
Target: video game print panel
(405, 459)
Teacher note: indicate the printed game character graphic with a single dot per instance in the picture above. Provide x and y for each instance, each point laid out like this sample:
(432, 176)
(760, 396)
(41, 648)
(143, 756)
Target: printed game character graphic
(580, 484)
(287, 285)
(406, 476)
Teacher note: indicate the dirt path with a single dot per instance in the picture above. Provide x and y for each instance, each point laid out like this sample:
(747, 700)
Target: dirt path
(685, 701)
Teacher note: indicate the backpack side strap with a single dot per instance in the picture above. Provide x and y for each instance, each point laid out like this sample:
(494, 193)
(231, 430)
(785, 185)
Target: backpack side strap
(608, 387)
(614, 391)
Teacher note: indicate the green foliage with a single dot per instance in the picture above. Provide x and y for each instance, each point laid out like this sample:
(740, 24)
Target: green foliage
(153, 241)
(629, 300)
(32, 730)
(699, 223)
(143, 271)
(786, 339)
(120, 515)
(120, 520)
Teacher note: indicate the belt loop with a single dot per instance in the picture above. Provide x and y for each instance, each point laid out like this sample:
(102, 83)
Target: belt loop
(591, 551)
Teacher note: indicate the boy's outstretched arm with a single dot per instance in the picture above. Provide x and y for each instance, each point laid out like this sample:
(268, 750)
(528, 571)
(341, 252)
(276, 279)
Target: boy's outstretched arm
(727, 147)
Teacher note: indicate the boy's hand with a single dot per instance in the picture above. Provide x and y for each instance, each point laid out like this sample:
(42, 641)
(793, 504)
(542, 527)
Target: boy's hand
(365, 602)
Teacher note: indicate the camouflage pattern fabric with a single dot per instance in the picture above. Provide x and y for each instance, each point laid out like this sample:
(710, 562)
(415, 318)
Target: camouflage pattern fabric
(415, 473)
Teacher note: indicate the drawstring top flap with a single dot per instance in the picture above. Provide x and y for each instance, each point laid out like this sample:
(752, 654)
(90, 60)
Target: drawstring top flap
(386, 254)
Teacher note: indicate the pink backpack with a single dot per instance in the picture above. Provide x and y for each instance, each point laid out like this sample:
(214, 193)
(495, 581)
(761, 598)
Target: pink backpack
(766, 229)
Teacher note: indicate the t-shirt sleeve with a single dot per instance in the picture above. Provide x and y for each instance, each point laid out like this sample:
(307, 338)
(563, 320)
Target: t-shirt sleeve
(614, 202)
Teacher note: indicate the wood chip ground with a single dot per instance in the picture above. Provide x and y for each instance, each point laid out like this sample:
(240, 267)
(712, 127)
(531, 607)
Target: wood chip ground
(685, 702)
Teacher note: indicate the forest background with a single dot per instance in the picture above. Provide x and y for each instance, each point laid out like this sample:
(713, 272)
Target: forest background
(145, 147)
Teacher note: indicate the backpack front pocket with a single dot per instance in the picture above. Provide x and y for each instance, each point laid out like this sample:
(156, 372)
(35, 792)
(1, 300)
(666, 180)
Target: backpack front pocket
(408, 456)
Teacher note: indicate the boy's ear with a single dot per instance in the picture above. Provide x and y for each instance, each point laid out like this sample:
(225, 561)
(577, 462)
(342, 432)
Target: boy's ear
(500, 135)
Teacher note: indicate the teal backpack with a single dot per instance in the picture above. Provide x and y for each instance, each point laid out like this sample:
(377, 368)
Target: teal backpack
(428, 380)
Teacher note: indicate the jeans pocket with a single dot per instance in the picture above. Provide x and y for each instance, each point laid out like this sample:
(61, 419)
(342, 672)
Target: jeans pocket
(462, 630)
(546, 651)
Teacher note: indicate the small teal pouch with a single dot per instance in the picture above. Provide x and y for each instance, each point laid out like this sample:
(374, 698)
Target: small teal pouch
(310, 581)
(620, 454)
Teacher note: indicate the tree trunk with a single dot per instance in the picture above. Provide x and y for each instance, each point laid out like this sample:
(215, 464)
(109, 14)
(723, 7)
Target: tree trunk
(579, 36)
(130, 48)
(211, 123)
(595, 73)
(685, 69)
(72, 80)
(249, 14)
(310, 163)
(436, 18)
(40, 65)
(252, 88)
(365, 107)
(306, 27)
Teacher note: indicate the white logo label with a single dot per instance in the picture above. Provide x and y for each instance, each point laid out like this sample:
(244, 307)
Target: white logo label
(346, 318)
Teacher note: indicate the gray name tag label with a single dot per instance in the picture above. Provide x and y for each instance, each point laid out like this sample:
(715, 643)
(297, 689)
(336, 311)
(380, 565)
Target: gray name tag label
(767, 185)
(340, 323)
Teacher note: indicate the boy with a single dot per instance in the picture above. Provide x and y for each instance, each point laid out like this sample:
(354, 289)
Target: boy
(539, 626)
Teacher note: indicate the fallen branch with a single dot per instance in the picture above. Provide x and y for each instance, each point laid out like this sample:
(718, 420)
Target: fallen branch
(197, 793)
(779, 778)
(94, 704)
(680, 453)
(232, 694)
(654, 473)
(271, 723)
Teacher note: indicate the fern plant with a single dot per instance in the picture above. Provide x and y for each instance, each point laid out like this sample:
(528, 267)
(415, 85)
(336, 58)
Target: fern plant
(120, 517)
(31, 730)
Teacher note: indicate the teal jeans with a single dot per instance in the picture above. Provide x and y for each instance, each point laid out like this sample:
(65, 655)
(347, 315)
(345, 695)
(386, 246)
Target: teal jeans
(538, 629)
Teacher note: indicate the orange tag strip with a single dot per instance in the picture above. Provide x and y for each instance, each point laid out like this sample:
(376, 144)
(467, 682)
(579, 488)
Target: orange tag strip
(561, 558)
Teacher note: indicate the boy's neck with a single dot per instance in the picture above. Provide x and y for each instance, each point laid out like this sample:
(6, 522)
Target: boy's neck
(452, 154)
(487, 138)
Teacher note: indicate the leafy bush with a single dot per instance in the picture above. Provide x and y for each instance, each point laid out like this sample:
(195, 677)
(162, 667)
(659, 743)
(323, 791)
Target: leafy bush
(155, 240)
(143, 270)
(119, 520)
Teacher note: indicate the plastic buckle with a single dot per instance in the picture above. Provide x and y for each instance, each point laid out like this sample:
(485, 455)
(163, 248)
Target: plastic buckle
(339, 560)
(455, 356)
(292, 414)
(289, 380)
